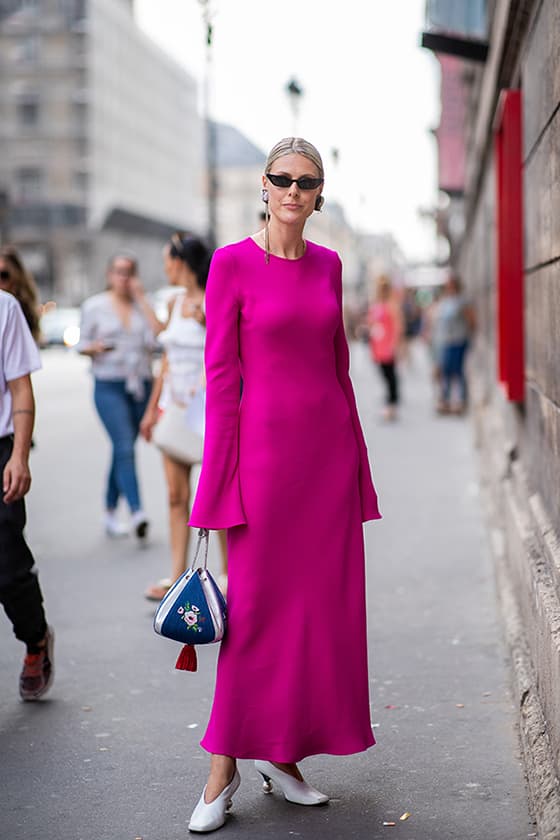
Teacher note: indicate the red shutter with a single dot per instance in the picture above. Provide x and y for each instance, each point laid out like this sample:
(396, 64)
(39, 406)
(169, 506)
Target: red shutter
(509, 235)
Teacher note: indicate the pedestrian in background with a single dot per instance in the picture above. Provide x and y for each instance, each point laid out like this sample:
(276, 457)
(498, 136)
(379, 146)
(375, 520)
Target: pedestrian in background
(186, 264)
(431, 334)
(454, 323)
(386, 330)
(20, 592)
(15, 278)
(285, 470)
(117, 332)
(412, 314)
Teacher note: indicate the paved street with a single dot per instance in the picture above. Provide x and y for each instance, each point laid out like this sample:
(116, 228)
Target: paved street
(113, 753)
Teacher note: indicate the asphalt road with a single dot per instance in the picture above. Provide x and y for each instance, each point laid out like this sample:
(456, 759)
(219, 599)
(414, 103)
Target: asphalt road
(112, 753)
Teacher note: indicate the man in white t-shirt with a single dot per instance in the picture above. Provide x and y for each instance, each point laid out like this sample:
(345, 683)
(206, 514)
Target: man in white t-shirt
(20, 593)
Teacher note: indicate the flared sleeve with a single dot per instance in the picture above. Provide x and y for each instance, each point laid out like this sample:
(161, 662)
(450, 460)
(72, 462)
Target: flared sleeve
(218, 498)
(368, 495)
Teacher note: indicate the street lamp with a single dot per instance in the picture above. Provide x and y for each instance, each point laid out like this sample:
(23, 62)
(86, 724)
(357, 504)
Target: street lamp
(209, 128)
(295, 92)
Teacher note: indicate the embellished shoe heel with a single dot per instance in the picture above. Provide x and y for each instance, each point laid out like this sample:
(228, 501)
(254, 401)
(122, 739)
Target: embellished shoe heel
(267, 783)
(293, 789)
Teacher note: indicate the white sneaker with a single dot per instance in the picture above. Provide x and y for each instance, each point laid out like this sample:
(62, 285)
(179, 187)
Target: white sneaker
(114, 528)
(140, 524)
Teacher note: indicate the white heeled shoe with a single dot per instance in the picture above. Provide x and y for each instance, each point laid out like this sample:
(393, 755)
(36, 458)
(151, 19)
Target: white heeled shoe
(294, 791)
(208, 816)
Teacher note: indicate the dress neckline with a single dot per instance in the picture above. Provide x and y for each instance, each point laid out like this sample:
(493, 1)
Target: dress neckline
(282, 259)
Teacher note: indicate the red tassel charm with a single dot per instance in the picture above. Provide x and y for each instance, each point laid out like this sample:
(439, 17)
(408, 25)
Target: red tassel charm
(186, 661)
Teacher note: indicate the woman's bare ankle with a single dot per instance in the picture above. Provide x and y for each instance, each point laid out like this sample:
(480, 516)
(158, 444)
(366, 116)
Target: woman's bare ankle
(222, 770)
(291, 769)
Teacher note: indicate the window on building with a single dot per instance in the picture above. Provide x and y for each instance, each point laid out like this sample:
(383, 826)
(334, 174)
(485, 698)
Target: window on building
(29, 183)
(28, 111)
(73, 10)
(81, 147)
(30, 5)
(79, 47)
(81, 181)
(28, 49)
(79, 115)
(15, 7)
(80, 9)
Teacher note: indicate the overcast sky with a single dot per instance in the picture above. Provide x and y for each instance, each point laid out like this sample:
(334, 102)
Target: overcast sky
(369, 91)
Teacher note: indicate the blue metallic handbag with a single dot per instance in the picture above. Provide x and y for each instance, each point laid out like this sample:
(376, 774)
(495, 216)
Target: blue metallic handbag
(194, 609)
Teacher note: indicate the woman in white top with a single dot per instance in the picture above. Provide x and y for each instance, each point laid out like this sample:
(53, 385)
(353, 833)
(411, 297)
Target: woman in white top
(186, 263)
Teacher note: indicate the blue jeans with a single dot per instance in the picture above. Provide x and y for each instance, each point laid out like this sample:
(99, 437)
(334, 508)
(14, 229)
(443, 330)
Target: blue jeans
(121, 414)
(452, 367)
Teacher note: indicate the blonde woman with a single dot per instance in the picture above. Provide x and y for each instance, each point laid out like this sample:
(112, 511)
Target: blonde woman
(285, 470)
(386, 332)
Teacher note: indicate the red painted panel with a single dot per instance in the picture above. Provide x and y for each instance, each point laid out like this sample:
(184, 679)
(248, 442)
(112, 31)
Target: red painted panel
(509, 236)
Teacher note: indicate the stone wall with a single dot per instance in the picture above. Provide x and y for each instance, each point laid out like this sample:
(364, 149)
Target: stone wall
(520, 445)
(541, 96)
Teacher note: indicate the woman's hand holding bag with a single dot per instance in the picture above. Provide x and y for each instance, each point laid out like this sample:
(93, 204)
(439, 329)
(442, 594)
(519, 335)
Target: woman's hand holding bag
(194, 609)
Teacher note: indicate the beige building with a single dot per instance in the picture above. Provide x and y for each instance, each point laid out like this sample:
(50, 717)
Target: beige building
(101, 144)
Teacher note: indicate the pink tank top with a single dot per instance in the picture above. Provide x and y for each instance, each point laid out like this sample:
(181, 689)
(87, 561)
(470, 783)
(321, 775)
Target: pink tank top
(383, 332)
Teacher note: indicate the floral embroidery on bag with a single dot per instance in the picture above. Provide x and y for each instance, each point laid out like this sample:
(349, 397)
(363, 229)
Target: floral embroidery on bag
(190, 614)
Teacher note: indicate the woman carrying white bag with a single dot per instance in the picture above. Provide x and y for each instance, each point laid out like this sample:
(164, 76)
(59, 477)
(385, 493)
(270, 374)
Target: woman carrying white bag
(174, 417)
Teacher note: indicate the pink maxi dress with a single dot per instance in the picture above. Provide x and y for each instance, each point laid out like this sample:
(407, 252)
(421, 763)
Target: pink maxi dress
(285, 470)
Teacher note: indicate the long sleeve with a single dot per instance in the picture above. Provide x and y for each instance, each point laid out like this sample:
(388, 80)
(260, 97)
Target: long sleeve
(368, 496)
(218, 498)
(88, 331)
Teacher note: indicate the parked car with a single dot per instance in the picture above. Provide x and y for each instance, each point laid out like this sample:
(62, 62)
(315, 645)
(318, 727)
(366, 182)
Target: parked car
(60, 326)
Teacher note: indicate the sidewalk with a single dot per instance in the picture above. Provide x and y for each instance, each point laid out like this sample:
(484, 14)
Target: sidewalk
(448, 752)
(113, 753)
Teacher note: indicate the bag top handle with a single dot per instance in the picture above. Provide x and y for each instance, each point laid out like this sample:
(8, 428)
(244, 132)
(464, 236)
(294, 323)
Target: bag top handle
(202, 538)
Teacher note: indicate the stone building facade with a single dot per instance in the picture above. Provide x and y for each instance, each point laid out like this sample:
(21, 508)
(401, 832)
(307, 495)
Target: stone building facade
(509, 258)
(97, 124)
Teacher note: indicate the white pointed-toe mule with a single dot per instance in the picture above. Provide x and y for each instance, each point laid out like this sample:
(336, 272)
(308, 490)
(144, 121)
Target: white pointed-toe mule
(294, 791)
(208, 816)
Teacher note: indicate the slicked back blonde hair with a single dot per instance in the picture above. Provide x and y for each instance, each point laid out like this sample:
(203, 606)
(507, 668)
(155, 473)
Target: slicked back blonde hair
(290, 146)
(297, 146)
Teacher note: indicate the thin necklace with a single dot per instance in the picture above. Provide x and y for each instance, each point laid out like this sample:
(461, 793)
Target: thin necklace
(268, 251)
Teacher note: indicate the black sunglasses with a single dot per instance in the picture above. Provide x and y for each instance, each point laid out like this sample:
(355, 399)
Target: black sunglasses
(5, 275)
(284, 181)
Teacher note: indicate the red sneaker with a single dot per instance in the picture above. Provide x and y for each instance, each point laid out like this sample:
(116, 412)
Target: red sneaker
(38, 670)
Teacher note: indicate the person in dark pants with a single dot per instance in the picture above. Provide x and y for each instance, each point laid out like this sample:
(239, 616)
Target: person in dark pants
(20, 593)
(389, 373)
(386, 330)
(455, 325)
